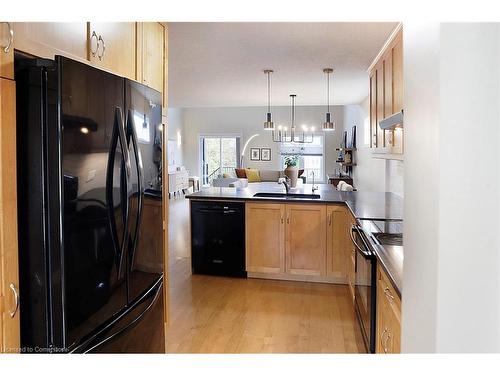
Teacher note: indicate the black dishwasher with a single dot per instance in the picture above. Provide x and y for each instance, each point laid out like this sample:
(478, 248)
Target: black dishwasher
(218, 238)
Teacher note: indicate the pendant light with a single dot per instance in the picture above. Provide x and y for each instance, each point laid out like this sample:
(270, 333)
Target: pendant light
(268, 124)
(328, 125)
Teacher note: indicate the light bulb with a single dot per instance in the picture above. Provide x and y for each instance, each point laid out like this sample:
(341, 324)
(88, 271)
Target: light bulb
(313, 128)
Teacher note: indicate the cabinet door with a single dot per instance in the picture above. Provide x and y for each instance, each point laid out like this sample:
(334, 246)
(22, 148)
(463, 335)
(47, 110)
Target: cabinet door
(115, 50)
(388, 316)
(380, 102)
(47, 39)
(397, 88)
(388, 107)
(9, 281)
(306, 239)
(150, 54)
(336, 253)
(373, 109)
(265, 237)
(6, 57)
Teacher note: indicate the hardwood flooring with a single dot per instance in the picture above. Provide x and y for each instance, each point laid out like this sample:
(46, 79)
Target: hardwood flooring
(227, 315)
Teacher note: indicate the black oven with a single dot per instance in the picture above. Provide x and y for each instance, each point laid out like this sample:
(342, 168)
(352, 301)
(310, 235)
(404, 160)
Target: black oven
(365, 288)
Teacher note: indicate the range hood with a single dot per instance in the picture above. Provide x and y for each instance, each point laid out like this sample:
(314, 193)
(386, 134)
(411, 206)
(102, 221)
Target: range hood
(392, 121)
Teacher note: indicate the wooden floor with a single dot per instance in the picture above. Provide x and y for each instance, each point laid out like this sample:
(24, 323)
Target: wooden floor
(226, 315)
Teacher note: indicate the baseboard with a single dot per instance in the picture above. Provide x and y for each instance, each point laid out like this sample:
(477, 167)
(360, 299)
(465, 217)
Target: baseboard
(307, 278)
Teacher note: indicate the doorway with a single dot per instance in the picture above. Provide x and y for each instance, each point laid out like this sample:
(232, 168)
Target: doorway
(218, 155)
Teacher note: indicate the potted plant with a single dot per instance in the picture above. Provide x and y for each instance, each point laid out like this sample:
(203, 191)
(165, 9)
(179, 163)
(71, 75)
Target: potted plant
(291, 170)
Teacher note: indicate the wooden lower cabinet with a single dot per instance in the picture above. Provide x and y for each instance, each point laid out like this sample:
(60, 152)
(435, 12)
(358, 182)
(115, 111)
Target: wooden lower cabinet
(265, 240)
(9, 274)
(305, 242)
(300, 241)
(337, 241)
(388, 316)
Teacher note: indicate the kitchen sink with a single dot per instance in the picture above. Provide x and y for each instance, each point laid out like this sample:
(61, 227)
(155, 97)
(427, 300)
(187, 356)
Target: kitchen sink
(289, 195)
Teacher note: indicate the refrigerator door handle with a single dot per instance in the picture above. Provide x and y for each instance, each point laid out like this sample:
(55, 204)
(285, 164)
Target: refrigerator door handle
(138, 164)
(117, 136)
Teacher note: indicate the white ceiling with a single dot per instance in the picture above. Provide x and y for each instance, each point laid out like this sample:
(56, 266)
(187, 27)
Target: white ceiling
(220, 64)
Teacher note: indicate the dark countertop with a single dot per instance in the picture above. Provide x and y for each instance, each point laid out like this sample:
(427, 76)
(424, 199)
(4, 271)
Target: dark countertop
(363, 205)
(366, 207)
(390, 257)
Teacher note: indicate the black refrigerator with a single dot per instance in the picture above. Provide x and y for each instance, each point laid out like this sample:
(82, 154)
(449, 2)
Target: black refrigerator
(90, 220)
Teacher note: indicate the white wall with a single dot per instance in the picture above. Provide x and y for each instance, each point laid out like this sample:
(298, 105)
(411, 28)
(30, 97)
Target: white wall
(371, 174)
(246, 121)
(451, 294)
(176, 134)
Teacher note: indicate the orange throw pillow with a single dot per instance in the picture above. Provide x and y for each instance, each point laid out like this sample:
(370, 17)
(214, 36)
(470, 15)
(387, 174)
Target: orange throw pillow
(240, 173)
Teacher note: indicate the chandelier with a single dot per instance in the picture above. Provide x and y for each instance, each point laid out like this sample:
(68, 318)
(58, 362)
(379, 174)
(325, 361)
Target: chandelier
(288, 135)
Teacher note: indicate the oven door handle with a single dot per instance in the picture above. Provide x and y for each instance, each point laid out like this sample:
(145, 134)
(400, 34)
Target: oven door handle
(365, 253)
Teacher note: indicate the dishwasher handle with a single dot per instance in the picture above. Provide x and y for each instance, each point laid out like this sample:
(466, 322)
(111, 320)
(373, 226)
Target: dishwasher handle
(217, 211)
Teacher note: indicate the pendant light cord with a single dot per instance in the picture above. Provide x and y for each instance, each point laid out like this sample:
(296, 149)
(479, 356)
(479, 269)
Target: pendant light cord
(328, 91)
(268, 91)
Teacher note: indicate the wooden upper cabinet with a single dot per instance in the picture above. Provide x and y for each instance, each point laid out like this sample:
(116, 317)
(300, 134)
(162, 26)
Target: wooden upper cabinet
(151, 54)
(265, 237)
(397, 73)
(388, 105)
(112, 46)
(397, 89)
(373, 109)
(306, 239)
(386, 94)
(379, 68)
(47, 39)
(337, 241)
(6, 50)
(9, 273)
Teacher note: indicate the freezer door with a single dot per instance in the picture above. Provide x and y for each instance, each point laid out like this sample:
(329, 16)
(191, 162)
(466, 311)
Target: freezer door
(94, 166)
(144, 137)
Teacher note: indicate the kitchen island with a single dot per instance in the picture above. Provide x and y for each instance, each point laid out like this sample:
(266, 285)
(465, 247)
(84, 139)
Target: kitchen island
(274, 224)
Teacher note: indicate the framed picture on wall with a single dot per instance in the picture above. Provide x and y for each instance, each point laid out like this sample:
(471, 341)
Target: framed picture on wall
(265, 154)
(255, 154)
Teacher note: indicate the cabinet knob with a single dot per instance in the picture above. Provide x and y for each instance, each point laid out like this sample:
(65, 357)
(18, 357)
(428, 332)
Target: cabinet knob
(6, 49)
(388, 294)
(100, 40)
(93, 38)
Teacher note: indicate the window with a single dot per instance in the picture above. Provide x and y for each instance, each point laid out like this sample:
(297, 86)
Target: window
(311, 157)
(219, 155)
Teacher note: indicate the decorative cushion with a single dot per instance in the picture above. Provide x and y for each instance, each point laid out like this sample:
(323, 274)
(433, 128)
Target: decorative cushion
(253, 175)
(240, 172)
(226, 175)
(269, 176)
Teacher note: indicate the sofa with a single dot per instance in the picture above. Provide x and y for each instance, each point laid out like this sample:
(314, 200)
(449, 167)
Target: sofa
(233, 181)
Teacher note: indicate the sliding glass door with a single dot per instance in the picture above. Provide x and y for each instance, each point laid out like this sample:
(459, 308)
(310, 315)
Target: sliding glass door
(219, 155)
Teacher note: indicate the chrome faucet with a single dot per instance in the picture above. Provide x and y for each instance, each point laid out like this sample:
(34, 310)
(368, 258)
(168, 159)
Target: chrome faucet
(314, 188)
(285, 181)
